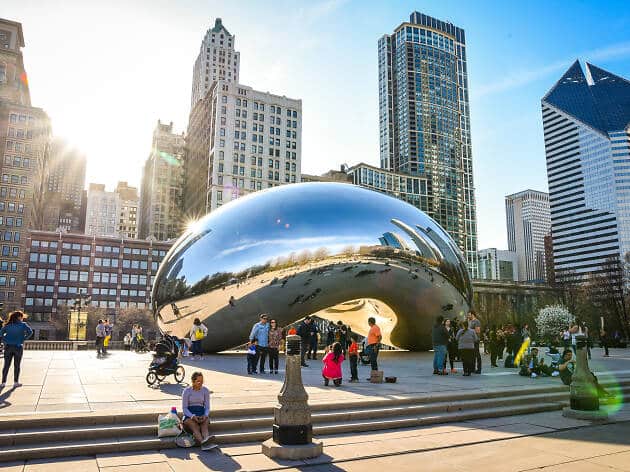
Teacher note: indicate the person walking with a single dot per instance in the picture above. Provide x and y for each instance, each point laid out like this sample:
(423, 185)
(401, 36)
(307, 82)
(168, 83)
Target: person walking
(304, 332)
(198, 332)
(467, 339)
(373, 342)
(260, 331)
(100, 339)
(475, 325)
(13, 334)
(275, 340)
(439, 336)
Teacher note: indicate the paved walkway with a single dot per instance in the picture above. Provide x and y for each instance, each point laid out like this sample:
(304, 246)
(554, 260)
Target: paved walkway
(542, 441)
(58, 381)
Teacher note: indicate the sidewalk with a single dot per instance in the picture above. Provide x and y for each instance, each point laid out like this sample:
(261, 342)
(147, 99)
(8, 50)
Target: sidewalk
(543, 441)
(58, 381)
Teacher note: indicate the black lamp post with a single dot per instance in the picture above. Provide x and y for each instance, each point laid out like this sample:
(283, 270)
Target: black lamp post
(79, 302)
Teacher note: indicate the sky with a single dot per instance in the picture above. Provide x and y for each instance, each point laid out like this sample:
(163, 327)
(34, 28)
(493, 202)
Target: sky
(105, 72)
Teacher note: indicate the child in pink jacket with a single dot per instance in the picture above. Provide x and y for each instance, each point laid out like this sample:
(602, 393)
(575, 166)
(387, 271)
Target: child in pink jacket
(332, 365)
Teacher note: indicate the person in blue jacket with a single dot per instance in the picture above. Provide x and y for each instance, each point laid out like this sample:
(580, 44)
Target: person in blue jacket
(13, 334)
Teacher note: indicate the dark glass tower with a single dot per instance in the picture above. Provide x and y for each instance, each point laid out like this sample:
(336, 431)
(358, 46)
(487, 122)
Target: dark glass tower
(425, 121)
(586, 120)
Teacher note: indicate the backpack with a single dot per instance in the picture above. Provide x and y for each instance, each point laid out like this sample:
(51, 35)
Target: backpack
(198, 334)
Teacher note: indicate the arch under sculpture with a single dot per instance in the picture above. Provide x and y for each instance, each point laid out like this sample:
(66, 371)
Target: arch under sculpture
(302, 249)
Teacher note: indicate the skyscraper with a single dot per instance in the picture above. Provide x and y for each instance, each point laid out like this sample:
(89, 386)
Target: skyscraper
(586, 120)
(162, 186)
(496, 264)
(128, 213)
(527, 215)
(425, 120)
(64, 189)
(24, 147)
(239, 139)
(103, 208)
(217, 60)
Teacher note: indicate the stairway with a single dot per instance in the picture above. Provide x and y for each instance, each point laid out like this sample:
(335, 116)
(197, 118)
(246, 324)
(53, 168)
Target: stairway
(53, 436)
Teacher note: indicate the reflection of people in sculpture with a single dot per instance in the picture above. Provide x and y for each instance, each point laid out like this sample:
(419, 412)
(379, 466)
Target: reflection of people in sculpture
(373, 342)
(232, 301)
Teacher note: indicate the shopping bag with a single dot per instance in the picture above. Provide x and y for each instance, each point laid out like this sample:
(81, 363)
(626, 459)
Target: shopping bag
(168, 425)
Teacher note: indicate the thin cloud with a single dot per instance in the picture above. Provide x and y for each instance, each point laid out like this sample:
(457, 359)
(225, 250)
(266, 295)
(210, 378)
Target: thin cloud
(524, 77)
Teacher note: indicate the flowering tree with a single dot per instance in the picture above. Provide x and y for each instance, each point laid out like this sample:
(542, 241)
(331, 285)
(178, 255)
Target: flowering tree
(551, 320)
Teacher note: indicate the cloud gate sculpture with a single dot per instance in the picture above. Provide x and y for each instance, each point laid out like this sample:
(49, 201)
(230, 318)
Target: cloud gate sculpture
(335, 250)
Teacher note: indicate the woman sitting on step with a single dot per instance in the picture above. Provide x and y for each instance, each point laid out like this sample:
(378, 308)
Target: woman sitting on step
(196, 408)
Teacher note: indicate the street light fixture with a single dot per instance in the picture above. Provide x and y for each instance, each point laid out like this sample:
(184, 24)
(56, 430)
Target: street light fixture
(81, 301)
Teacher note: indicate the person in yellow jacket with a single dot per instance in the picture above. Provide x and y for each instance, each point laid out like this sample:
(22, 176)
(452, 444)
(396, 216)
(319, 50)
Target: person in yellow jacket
(197, 333)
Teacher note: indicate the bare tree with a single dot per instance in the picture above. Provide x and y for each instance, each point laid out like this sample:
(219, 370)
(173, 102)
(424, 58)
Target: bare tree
(609, 290)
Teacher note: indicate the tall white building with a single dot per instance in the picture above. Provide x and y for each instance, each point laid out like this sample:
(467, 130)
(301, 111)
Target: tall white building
(217, 60)
(103, 207)
(128, 216)
(497, 264)
(528, 222)
(586, 120)
(256, 142)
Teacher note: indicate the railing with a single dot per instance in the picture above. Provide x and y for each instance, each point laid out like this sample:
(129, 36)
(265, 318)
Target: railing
(68, 345)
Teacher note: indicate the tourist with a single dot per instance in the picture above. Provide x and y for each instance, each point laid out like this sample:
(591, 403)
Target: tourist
(198, 332)
(532, 366)
(500, 342)
(332, 365)
(196, 409)
(467, 339)
(313, 339)
(585, 332)
(493, 345)
(109, 329)
(353, 353)
(566, 368)
(341, 335)
(475, 324)
(451, 347)
(13, 334)
(603, 341)
(330, 333)
(516, 340)
(260, 331)
(134, 337)
(100, 339)
(127, 341)
(439, 336)
(373, 343)
(251, 356)
(574, 331)
(275, 340)
(304, 332)
(566, 338)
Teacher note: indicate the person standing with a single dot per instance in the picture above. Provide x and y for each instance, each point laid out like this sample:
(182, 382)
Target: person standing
(109, 329)
(330, 333)
(134, 339)
(373, 342)
(467, 339)
(603, 341)
(100, 339)
(304, 332)
(313, 339)
(260, 331)
(127, 341)
(475, 325)
(197, 333)
(493, 341)
(275, 340)
(451, 347)
(13, 334)
(353, 354)
(439, 336)
(342, 335)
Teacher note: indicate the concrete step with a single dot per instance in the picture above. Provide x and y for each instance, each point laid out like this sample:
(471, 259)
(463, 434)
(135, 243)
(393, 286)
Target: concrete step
(138, 431)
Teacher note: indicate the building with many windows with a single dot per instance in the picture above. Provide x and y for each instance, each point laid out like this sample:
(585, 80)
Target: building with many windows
(116, 273)
(586, 121)
(63, 199)
(103, 208)
(163, 186)
(528, 222)
(217, 60)
(24, 146)
(255, 142)
(497, 264)
(424, 121)
(128, 213)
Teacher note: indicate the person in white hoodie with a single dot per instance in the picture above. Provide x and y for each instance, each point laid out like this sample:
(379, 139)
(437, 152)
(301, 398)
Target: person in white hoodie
(197, 333)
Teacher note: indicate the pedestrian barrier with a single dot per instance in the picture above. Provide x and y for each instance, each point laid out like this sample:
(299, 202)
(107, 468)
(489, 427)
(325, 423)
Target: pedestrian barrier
(68, 345)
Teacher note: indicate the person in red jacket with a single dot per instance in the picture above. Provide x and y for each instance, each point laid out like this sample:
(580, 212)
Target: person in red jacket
(353, 354)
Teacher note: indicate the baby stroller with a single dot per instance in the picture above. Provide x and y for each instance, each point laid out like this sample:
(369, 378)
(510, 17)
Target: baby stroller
(364, 357)
(165, 361)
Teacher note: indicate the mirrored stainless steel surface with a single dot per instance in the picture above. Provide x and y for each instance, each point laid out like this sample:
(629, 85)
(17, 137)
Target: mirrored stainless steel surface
(301, 249)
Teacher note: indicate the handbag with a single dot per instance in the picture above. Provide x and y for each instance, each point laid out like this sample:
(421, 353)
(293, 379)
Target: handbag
(168, 425)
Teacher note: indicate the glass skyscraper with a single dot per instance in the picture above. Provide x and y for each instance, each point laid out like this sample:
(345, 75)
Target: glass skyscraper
(425, 121)
(586, 120)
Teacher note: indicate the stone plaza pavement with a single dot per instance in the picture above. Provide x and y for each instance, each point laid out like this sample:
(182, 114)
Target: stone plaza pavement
(75, 381)
(542, 441)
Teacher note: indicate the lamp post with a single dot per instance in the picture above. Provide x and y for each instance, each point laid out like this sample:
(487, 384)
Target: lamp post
(79, 302)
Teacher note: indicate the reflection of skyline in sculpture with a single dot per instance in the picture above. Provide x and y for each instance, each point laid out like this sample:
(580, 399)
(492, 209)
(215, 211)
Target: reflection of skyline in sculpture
(295, 250)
